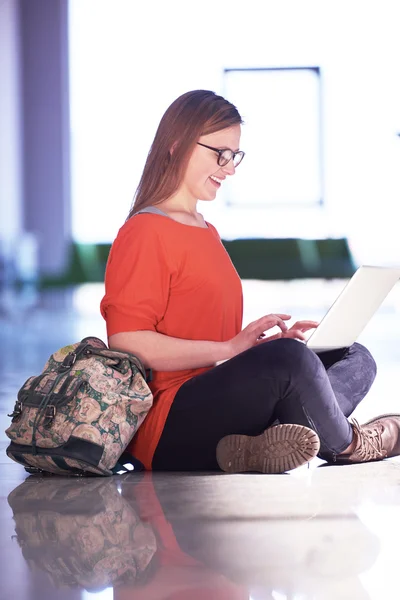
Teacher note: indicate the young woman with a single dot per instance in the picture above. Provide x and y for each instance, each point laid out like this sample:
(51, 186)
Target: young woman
(174, 299)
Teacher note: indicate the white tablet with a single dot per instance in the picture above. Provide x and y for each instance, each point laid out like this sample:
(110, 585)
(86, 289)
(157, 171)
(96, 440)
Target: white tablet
(354, 307)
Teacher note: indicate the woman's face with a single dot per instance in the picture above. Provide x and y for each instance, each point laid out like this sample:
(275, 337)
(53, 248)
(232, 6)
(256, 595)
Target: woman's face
(204, 176)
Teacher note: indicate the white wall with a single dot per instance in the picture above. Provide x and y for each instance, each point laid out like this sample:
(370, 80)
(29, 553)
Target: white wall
(10, 124)
(140, 56)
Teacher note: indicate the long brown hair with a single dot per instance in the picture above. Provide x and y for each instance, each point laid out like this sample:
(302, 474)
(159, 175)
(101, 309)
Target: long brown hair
(190, 116)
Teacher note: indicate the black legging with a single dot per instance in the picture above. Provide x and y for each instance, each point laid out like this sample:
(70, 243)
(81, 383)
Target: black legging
(280, 380)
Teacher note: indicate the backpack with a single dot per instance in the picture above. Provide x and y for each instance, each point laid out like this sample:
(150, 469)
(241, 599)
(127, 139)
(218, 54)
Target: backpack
(80, 414)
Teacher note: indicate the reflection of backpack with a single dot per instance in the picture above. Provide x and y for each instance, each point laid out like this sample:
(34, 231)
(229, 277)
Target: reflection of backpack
(80, 414)
(81, 532)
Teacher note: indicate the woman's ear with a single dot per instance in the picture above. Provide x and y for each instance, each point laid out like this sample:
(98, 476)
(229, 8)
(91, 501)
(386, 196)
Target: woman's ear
(174, 145)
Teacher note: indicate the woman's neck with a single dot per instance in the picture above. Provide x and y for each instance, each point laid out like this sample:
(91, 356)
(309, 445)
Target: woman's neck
(182, 202)
(182, 213)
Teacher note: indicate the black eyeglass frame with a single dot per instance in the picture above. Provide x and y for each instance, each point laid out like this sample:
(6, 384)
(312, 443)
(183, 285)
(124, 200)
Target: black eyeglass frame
(220, 151)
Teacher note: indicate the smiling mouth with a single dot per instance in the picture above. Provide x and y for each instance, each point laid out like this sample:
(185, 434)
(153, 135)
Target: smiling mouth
(216, 180)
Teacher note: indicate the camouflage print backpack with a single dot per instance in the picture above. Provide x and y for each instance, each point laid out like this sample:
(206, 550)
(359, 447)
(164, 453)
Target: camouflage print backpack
(80, 414)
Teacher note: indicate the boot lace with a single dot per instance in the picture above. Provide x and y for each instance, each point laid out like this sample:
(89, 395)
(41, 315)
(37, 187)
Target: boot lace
(369, 443)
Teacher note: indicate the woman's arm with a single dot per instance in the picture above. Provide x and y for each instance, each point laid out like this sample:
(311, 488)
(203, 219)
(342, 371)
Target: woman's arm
(164, 353)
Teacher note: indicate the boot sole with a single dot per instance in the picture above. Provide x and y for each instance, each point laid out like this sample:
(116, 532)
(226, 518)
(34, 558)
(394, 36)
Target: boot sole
(278, 449)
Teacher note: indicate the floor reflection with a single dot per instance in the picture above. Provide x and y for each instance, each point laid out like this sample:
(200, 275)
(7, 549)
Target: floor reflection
(92, 534)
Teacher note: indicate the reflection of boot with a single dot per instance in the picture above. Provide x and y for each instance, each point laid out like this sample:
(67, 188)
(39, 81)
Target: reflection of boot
(300, 558)
(377, 439)
(279, 449)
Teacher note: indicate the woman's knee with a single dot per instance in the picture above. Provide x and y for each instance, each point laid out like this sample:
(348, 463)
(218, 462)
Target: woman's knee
(290, 353)
(366, 362)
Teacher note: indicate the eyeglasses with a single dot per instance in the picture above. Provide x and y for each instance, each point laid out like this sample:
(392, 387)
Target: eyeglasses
(225, 155)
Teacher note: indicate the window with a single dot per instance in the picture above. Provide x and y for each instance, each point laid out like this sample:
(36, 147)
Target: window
(281, 136)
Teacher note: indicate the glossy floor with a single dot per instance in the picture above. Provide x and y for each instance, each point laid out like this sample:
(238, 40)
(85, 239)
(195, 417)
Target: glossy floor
(319, 532)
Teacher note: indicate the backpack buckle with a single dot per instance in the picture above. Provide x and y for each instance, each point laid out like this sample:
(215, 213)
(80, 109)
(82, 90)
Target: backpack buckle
(17, 412)
(49, 415)
(68, 362)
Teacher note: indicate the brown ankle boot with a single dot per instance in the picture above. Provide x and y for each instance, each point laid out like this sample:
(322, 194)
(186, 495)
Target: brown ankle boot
(377, 439)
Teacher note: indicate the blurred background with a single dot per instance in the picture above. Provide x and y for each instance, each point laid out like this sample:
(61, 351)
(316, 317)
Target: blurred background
(84, 84)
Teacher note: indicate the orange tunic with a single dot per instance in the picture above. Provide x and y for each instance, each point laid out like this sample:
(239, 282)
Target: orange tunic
(177, 280)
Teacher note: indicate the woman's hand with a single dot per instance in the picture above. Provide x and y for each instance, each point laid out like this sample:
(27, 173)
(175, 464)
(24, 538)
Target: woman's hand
(254, 333)
(296, 331)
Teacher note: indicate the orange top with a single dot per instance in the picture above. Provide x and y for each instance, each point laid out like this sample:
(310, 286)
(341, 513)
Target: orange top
(177, 280)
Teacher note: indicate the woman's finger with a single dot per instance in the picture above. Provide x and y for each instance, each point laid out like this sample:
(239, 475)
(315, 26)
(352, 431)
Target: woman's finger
(277, 320)
(296, 334)
(268, 322)
(305, 325)
(277, 336)
(275, 316)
